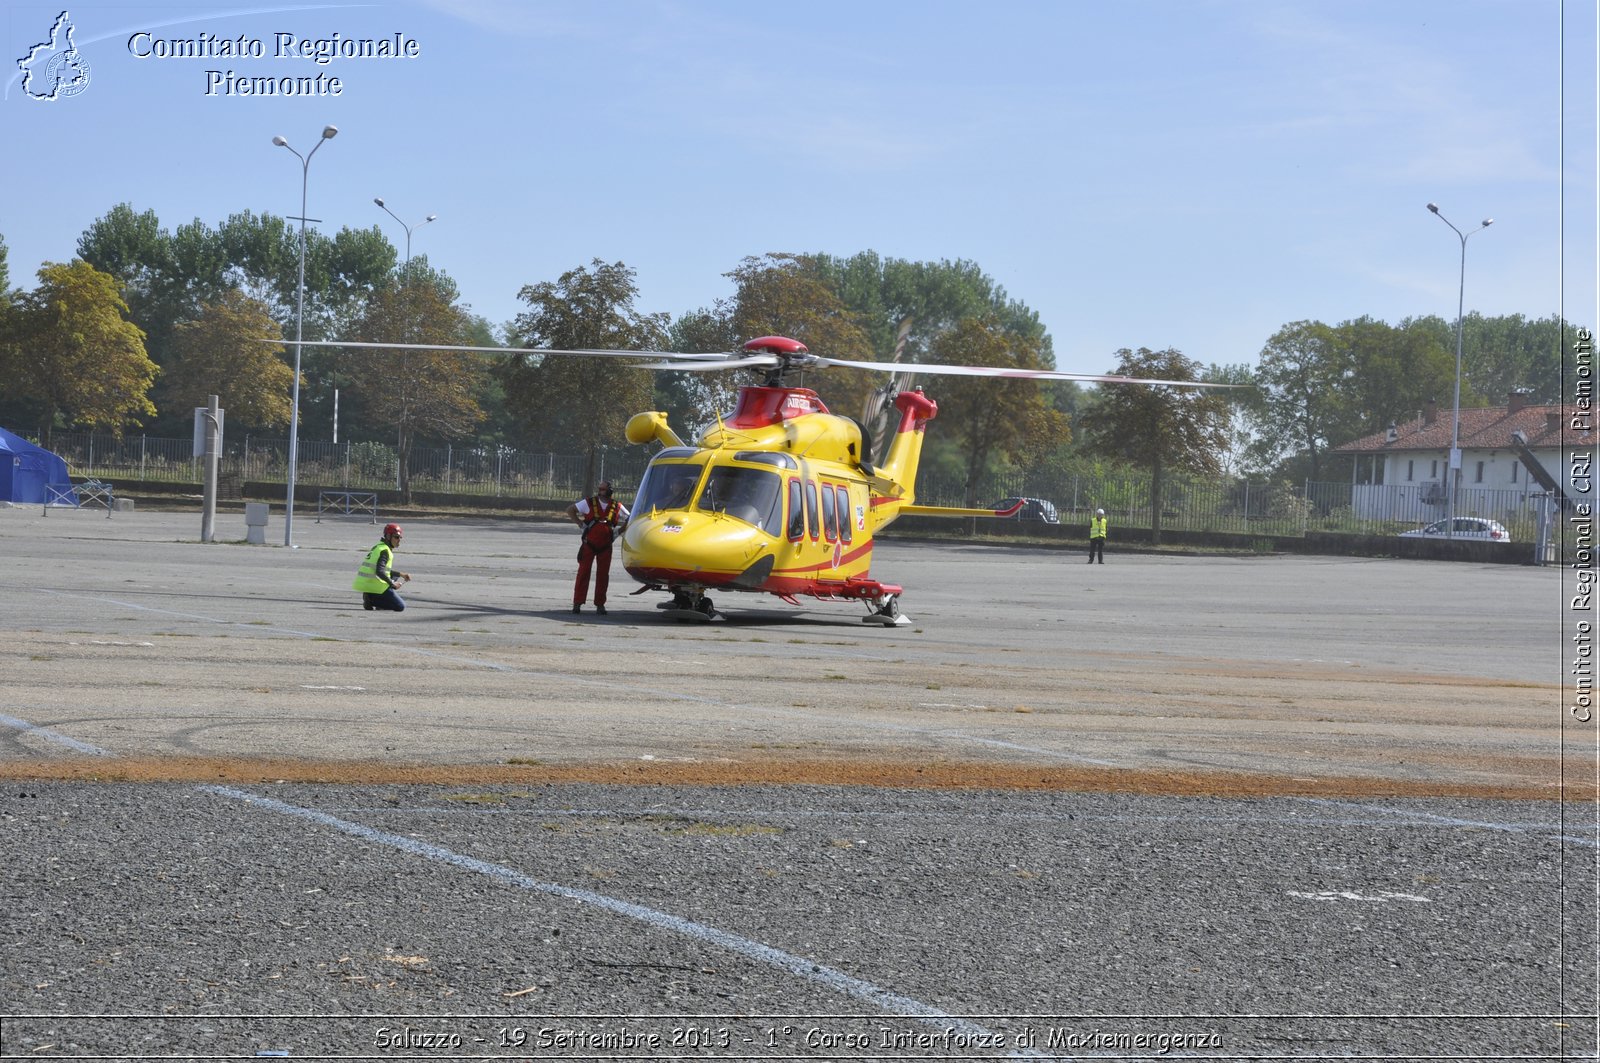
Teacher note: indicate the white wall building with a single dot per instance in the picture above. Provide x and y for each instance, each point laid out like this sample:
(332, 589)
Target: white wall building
(1400, 473)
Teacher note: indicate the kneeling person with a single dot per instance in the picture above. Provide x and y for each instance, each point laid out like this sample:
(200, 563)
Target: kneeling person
(376, 579)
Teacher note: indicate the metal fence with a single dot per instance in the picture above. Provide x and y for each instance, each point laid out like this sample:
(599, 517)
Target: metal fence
(1187, 504)
(489, 472)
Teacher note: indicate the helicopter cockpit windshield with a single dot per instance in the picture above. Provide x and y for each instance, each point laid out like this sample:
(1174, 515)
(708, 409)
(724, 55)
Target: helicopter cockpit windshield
(667, 485)
(751, 495)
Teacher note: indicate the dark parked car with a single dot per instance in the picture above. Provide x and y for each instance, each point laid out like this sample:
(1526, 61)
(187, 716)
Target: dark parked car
(1032, 509)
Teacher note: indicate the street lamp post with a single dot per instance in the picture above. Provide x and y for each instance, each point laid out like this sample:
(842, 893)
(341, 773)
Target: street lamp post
(1452, 472)
(328, 133)
(409, 230)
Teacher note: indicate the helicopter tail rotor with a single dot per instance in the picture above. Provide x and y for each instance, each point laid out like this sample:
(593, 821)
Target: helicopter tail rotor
(877, 411)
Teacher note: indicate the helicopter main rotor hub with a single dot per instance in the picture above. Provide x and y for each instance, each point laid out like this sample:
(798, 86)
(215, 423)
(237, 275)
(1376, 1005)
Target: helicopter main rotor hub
(792, 357)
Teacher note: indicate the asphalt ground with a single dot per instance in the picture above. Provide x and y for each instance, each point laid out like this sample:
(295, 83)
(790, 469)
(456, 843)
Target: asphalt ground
(1168, 807)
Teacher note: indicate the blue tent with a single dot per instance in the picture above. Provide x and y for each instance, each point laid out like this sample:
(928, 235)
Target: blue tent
(26, 471)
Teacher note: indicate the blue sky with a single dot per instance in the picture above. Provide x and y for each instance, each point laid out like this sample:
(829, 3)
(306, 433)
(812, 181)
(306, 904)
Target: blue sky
(1142, 173)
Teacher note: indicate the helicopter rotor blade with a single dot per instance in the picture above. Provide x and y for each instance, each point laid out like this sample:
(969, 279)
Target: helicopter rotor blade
(1016, 374)
(582, 352)
(699, 365)
(715, 360)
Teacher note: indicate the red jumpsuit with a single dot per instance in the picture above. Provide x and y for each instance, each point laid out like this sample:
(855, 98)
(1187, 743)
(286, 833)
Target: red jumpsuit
(599, 531)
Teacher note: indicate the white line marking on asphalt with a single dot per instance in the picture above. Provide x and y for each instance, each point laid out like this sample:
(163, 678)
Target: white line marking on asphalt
(1510, 828)
(53, 736)
(785, 961)
(1351, 895)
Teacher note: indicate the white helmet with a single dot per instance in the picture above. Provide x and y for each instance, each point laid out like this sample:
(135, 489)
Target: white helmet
(1099, 512)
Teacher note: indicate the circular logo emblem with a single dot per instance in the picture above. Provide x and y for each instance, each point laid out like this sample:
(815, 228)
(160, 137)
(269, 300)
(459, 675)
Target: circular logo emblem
(67, 73)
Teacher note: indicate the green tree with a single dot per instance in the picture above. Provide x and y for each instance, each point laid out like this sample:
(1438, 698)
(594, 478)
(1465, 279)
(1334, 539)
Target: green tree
(1301, 393)
(1394, 372)
(498, 426)
(350, 265)
(1236, 458)
(134, 248)
(167, 277)
(74, 354)
(934, 296)
(992, 415)
(1505, 353)
(1322, 386)
(1156, 427)
(220, 353)
(130, 246)
(263, 253)
(585, 401)
(906, 307)
(431, 394)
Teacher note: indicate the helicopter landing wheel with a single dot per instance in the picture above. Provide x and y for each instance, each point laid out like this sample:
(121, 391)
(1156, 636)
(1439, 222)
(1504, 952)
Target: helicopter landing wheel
(686, 606)
(888, 613)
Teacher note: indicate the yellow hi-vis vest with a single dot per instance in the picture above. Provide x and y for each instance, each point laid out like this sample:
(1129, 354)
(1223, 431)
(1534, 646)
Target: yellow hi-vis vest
(367, 579)
(1097, 527)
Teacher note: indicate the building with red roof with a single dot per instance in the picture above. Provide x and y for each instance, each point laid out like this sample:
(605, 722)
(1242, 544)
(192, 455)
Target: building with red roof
(1510, 455)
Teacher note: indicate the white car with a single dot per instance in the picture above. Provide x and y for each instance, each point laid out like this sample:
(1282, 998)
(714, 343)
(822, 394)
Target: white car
(1465, 528)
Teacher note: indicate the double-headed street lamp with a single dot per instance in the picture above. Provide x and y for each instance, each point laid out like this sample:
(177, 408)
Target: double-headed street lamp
(1453, 464)
(409, 230)
(328, 133)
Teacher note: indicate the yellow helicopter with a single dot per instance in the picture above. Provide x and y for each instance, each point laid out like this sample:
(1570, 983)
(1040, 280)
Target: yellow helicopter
(781, 497)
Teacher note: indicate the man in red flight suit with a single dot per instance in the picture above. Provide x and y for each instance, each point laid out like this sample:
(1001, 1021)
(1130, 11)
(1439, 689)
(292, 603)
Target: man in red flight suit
(602, 519)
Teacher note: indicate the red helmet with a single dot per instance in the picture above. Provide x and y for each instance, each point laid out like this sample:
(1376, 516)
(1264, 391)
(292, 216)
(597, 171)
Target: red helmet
(391, 529)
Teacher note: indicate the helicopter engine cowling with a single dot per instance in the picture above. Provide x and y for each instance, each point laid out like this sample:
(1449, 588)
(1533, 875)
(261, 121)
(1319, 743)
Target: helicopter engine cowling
(652, 426)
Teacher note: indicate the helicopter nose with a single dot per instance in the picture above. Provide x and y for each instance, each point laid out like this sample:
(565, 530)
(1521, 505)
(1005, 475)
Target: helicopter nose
(702, 548)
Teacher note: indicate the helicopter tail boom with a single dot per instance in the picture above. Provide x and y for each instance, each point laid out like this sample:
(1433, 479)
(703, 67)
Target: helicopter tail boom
(959, 511)
(899, 469)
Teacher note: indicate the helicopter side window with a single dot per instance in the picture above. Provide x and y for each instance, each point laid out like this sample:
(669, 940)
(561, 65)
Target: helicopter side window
(830, 520)
(812, 514)
(846, 525)
(797, 512)
(751, 495)
(666, 486)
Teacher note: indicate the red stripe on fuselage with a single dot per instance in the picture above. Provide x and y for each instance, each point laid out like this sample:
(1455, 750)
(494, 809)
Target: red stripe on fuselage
(788, 580)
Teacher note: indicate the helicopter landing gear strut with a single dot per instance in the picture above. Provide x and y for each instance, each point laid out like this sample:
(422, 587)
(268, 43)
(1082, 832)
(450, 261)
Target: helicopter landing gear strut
(886, 611)
(690, 606)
